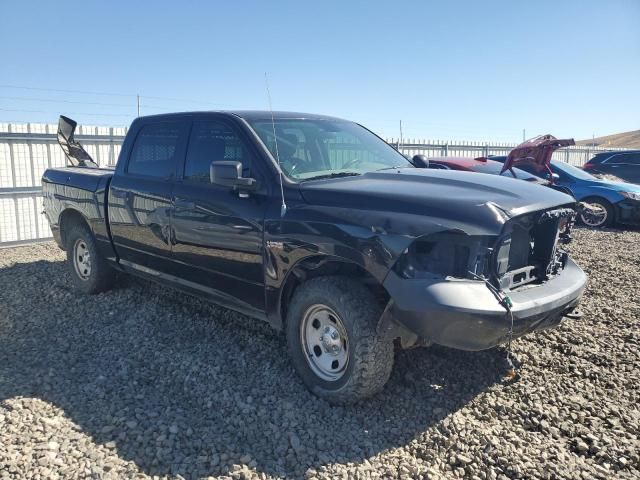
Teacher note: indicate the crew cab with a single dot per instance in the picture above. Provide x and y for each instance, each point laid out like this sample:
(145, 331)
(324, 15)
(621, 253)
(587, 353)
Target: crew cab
(318, 227)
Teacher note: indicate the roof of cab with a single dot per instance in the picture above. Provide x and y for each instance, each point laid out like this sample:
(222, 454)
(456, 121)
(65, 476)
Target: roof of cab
(251, 115)
(266, 115)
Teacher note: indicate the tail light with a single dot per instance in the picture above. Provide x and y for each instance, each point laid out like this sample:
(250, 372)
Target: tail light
(587, 166)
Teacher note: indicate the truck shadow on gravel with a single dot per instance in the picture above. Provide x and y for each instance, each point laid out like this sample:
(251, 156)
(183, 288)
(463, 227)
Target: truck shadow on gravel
(182, 387)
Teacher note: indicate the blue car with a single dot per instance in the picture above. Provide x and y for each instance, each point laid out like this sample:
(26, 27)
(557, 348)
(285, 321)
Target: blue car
(611, 202)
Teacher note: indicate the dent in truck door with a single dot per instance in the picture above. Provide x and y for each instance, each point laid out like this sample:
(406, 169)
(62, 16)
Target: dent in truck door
(140, 196)
(217, 233)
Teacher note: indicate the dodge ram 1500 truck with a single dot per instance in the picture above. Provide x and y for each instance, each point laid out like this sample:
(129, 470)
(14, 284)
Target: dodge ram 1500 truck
(320, 228)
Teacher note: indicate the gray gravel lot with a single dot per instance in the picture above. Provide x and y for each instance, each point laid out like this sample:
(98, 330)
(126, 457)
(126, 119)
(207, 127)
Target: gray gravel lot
(144, 381)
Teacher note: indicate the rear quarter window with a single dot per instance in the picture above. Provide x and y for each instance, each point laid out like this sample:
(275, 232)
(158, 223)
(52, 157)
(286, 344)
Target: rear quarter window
(599, 158)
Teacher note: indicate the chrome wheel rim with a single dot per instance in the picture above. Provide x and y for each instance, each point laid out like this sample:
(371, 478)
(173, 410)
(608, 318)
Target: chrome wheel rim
(82, 259)
(596, 217)
(325, 342)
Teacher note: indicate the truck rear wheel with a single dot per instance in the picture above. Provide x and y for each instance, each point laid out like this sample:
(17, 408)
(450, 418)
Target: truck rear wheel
(90, 272)
(331, 337)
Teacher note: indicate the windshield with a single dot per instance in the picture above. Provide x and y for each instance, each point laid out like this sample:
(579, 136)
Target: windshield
(572, 171)
(325, 148)
(494, 168)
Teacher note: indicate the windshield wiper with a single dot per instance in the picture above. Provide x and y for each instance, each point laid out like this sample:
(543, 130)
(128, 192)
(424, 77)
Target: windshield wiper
(394, 168)
(332, 175)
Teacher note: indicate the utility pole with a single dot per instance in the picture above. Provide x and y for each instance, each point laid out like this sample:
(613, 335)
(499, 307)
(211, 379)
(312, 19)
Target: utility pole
(524, 134)
(138, 98)
(401, 142)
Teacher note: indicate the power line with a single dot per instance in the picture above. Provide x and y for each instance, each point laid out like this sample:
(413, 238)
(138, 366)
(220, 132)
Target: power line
(184, 100)
(76, 102)
(171, 109)
(83, 92)
(51, 100)
(70, 113)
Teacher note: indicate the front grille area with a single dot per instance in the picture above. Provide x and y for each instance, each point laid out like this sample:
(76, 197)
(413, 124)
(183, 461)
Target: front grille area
(528, 252)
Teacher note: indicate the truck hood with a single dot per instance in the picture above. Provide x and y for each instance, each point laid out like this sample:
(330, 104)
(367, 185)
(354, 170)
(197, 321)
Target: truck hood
(452, 198)
(534, 155)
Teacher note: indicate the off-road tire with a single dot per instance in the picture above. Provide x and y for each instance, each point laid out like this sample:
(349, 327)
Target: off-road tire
(101, 276)
(370, 356)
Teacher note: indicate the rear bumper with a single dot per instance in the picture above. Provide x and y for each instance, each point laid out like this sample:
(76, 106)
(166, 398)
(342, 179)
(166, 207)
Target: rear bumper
(464, 314)
(628, 211)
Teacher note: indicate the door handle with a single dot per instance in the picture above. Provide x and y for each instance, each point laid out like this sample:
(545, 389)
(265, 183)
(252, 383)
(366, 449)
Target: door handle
(185, 204)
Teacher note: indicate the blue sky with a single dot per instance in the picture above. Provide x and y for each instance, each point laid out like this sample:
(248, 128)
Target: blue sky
(448, 69)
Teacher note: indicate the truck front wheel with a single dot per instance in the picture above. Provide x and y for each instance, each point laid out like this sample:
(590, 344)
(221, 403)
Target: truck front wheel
(90, 272)
(331, 337)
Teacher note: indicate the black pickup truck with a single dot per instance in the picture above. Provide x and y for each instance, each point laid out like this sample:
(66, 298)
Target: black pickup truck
(318, 227)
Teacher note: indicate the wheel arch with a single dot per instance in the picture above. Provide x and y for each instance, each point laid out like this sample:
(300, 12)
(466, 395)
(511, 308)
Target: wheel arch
(326, 265)
(67, 219)
(597, 196)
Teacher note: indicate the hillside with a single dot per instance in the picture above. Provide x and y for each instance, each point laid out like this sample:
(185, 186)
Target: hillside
(617, 140)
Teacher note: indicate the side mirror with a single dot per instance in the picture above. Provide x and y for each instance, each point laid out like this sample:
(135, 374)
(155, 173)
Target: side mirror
(229, 174)
(420, 161)
(553, 177)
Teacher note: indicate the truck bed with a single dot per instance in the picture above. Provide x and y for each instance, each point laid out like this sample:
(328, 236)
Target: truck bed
(79, 189)
(80, 177)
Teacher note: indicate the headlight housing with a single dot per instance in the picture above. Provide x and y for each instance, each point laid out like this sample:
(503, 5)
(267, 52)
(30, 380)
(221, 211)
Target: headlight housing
(631, 195)
(445, 254)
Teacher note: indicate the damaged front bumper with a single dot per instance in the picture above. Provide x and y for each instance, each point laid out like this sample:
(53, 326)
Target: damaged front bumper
(465, 314)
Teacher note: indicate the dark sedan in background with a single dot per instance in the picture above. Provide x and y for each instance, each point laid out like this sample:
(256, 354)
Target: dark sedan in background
(624, 165)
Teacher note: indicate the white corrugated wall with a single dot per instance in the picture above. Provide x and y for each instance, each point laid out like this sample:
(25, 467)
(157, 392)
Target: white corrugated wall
(26, 150)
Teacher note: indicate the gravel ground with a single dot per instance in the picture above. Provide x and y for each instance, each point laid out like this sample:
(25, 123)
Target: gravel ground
(145, 381)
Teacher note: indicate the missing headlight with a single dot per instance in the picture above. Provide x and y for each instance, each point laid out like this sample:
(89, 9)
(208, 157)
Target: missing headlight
(452, 254)
(528, 251)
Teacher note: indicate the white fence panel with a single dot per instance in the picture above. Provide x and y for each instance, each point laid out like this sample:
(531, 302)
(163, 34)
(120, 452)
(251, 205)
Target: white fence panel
(26, 150)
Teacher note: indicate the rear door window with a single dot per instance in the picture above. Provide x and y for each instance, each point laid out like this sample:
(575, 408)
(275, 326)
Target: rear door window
(600, 157)
(625, 159)
(157, 148)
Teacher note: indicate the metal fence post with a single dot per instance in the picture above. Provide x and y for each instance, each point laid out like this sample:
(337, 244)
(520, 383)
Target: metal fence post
(111, 160)
(14, 185)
